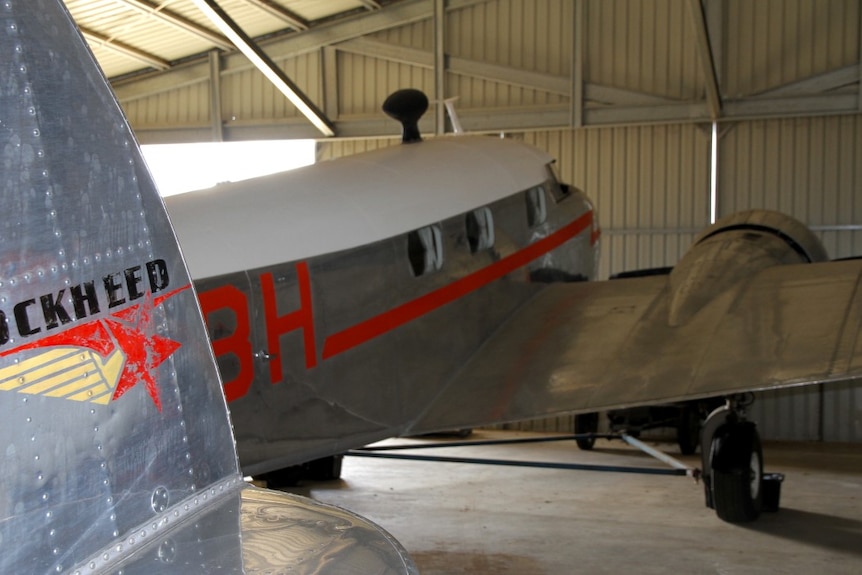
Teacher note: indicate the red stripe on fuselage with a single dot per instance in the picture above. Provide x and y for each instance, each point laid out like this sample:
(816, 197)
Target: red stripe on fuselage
(407, 312)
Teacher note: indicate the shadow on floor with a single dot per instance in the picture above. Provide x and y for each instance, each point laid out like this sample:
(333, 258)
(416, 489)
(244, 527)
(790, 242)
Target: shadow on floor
(824, 531)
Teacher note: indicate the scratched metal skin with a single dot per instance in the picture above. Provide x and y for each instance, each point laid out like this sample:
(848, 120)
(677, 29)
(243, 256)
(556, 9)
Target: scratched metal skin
(118, 453)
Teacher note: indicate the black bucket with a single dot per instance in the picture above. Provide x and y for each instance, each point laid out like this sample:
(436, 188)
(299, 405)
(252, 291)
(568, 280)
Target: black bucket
(771, 485)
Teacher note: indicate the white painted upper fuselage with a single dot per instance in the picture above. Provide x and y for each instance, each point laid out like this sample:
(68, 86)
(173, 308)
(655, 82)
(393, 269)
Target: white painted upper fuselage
(346, 203)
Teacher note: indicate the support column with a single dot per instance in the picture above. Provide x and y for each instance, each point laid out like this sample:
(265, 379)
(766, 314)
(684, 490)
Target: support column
(579, 14)
(439, 66)
(215, 96)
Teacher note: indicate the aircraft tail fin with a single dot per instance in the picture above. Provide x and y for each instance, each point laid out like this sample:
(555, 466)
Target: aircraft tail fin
(112, 413)
(118, 449)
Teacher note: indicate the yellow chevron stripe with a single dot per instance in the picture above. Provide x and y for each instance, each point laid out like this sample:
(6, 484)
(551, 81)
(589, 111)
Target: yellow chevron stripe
(59, 373)
(97, 394)
(81, 377)
(26, 371)
(73, 373)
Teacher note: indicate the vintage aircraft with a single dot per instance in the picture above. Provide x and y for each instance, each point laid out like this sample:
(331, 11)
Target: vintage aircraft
(118, 452)
(433, 285)
(440, 285)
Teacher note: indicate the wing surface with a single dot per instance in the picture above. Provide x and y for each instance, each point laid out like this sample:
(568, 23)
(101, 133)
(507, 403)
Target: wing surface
(595, 346)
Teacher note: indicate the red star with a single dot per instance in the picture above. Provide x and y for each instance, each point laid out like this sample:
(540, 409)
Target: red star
(130, 330)
(144, 350)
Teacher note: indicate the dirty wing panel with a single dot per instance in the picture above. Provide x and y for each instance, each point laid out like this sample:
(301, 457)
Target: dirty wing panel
(596, 346)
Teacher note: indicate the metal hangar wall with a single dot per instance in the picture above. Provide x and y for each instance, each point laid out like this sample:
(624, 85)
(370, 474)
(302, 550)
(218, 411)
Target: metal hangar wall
(668, 113)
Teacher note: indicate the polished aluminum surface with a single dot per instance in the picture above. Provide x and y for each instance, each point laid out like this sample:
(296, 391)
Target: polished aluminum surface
(118, 450)
(253, 531)
(328, 353)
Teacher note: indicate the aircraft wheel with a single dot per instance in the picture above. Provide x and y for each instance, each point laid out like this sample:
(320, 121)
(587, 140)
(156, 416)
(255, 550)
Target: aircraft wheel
(737, 488)
(586, 423)
(281, 478)
(323, 469)
(688, 429)
(326, 468)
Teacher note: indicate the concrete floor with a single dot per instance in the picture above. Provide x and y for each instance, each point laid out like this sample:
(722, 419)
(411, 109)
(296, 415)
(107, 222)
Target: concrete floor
(458, 518)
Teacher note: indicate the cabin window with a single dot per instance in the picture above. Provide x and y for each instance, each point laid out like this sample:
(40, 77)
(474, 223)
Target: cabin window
(480, 229)
(537, 207)
(425, 250)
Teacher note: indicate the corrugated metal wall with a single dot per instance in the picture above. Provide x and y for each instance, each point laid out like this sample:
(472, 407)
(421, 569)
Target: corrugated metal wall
(522, 34)
(182, 106)
(365, 81)
(809, 36)
(248, 97)
(642, 46)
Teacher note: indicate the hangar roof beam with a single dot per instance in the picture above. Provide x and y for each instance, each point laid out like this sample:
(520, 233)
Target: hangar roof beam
(177, 21)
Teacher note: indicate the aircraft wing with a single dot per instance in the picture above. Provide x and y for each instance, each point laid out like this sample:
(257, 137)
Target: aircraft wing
(595, 346)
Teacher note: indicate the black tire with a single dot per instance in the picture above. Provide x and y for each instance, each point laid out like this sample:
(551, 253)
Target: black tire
(325, 469)
(281, 478)
(738, 491)
(688, 429)
(586, 423)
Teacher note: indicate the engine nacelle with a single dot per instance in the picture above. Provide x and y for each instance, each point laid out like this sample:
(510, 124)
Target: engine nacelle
(734, 248)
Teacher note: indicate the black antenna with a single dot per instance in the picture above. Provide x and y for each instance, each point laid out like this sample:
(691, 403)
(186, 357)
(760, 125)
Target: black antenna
(407, 106)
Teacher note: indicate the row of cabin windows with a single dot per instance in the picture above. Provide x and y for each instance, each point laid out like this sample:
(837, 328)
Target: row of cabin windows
(425, 245)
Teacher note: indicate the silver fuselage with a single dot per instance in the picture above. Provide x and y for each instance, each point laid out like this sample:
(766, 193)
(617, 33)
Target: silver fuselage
(325, 353)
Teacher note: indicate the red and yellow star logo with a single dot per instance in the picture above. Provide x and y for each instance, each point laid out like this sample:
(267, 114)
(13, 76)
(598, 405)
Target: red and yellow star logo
(98, 361)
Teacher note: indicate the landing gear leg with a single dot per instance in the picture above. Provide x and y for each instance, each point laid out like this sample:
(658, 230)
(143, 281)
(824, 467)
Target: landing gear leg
(688, 428)
(732, 463)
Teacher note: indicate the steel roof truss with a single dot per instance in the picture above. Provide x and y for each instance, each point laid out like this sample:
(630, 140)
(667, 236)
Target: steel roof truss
(265, 64)
(707, 62)
(291, 19)
(137, 54)
(177, 21)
